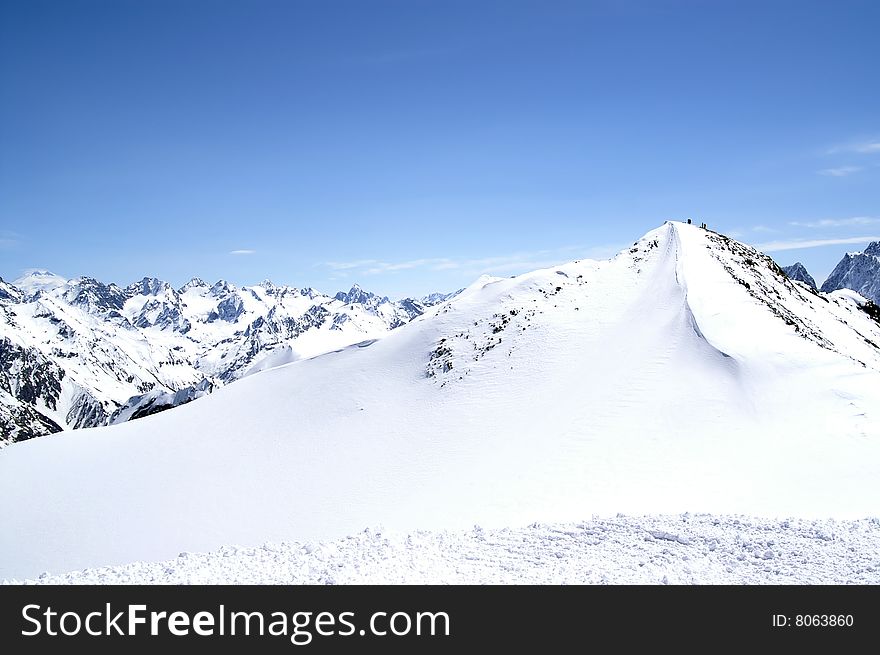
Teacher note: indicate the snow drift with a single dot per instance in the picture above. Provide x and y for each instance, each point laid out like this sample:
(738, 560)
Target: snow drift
(688, 373)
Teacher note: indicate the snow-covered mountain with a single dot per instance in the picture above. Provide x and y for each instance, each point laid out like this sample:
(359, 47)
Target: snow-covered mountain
(81, 353)
(798, 272)
(688, 373)
(859, 271)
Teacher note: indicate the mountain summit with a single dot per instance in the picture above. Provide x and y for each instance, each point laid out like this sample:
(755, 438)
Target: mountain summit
(798, 272)
(859, 271)
(687, 373)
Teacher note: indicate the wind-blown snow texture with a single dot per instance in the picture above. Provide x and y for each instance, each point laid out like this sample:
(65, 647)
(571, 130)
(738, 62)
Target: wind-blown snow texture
(859, 271)
(688, 373)
(686, 549)
(81, 353)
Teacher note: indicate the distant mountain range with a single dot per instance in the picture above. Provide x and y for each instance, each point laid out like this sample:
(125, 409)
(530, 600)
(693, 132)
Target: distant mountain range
(857, 271)
(81, 353)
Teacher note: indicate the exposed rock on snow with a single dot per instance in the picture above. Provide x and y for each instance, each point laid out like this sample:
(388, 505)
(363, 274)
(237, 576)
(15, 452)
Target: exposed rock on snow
(159, 401)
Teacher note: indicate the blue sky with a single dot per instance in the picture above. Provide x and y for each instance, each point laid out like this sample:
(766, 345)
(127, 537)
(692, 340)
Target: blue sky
(411, 146)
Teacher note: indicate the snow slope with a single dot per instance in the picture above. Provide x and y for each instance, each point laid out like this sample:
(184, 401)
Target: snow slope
(685, 374)
(685, 549)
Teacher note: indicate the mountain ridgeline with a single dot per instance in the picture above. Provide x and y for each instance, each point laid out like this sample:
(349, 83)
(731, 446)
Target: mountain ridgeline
(859, 271)
(81, 353)
(687, 373)
(798, 272)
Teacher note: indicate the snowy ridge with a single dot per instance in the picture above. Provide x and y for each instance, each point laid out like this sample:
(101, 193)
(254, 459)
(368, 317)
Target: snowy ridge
(688, 373)
(81, 353)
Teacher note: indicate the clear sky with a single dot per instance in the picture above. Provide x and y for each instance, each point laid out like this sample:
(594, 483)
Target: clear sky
(412, 145)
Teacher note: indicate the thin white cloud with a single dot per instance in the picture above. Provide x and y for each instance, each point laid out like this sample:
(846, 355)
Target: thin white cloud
(764, 228)
(864, 147)
(797, 244)
(386, 267)
(515, 262)
(243, 251)
(840, 171)
(345, 266)
(518, 266)
(868, 147)
(838, 222)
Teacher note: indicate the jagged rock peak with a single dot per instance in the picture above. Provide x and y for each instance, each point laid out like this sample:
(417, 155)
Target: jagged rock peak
(148, 286)
(89, 293)
(271, 288)
(222, 287)
(355, 295)
(859, 271)
(194, 283)
(798, 271)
